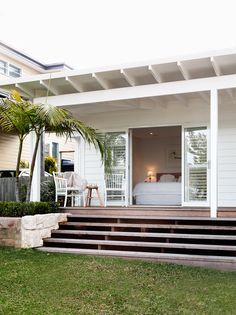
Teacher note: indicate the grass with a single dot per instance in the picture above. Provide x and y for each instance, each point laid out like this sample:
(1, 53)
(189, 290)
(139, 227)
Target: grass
(34, 282)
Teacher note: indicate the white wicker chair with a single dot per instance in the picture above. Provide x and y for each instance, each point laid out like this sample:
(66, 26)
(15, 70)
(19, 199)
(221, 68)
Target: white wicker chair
(60, 188)
(115, 187)
(75, 192)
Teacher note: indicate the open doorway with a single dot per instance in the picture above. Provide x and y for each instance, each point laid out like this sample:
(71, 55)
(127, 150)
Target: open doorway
(156, 166)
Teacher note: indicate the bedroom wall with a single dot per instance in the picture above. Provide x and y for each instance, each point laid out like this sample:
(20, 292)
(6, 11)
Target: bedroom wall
(152, 154)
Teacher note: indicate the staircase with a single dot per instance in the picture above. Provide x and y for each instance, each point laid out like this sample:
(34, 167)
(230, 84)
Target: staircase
(198, 241)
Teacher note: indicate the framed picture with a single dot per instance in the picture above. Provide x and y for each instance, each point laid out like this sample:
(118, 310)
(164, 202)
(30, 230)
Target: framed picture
(173, 156)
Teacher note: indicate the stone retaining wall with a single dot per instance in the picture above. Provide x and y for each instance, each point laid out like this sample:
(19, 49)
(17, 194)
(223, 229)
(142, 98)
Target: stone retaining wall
(10, 231)
(28, 231)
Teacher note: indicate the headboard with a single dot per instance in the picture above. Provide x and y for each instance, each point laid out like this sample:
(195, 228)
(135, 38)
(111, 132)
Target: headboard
(158, 175)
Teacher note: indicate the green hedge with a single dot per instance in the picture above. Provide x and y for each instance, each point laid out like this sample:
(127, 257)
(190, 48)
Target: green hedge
(19, 209)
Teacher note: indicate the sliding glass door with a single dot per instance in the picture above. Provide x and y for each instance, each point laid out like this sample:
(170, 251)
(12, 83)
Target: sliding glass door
(195, 166)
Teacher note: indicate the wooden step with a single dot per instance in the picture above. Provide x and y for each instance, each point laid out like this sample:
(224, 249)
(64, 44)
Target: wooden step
(143, 210)
(174, 218)
(146, 234)
(140, 244)
(147, 226)
(218, 262)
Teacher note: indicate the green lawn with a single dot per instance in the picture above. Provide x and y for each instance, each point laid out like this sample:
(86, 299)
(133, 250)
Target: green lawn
(33, 282)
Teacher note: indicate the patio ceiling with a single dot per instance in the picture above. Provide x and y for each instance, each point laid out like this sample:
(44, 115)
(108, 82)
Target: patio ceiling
(155, 72)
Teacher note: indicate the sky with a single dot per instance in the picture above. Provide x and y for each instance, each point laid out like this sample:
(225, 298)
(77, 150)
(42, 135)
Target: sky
(93, 33)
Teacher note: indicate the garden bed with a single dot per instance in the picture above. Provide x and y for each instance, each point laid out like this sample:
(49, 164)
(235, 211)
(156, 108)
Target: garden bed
(24, 225)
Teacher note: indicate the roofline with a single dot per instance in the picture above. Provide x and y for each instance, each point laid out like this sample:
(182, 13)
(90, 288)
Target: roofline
(32, 60)
(164, 60)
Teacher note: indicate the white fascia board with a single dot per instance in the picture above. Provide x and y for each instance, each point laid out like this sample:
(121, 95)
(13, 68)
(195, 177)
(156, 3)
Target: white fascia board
(161, 89)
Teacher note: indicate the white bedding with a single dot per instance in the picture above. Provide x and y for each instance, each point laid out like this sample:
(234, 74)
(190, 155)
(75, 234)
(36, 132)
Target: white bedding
(157, 193)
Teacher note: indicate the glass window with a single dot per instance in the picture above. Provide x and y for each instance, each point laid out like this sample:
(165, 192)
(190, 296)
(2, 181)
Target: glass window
(116, 142)
(55, 150)
(196, 164)
(47, 149)
(14, 71)
(3, 67)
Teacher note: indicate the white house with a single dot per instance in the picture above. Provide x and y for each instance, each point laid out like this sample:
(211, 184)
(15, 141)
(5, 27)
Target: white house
(172, 116)
(17, 64)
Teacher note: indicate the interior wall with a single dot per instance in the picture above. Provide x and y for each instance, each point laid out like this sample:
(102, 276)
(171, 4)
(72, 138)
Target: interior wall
(152, 154)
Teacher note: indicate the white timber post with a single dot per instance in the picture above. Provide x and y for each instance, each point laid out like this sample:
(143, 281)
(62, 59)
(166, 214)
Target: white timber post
(214, 153)
(35, 189)
(77, 155)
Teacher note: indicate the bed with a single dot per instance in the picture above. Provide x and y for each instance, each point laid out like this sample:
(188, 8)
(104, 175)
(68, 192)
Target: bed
(165, 191)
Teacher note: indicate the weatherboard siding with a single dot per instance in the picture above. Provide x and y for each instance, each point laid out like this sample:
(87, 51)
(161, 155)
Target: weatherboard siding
(93, 169)
(227, 157)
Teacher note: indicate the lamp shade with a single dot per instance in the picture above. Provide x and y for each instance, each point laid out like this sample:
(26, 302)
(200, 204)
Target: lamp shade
(149, 173)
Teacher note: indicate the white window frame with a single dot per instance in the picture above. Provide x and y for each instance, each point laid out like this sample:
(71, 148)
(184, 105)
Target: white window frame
(195, 203)
(7, 68)
(12, 67)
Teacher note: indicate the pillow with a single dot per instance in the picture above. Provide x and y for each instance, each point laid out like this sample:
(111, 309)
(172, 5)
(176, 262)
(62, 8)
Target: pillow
(168, 178)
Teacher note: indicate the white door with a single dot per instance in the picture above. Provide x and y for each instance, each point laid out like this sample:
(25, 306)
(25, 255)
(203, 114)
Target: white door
(195, 186)
(118, 145)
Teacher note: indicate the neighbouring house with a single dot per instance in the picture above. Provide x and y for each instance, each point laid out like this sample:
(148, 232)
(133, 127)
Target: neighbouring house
(170, 122)
(16, 64)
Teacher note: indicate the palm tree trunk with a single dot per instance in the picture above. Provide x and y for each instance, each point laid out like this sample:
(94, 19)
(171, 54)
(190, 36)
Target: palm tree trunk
(17, 183)
(32, 167)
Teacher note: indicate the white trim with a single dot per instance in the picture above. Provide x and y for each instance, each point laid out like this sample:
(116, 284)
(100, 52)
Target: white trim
(214, 152)
(130, 167)
(182, 165)
(127, 177)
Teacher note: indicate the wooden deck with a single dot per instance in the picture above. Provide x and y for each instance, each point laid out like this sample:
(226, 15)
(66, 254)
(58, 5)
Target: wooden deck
(194, 212)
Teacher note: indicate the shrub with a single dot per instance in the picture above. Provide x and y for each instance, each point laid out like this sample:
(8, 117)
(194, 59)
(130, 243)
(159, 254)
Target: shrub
(50, 164)
(19, 209)
(48, 191)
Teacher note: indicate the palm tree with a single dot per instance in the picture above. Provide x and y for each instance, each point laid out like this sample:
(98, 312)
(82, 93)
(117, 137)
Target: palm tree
(14, 113)
(60, 121)
(22, 117)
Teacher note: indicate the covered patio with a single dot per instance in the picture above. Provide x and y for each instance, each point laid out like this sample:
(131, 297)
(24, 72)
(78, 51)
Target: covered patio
(190, 91)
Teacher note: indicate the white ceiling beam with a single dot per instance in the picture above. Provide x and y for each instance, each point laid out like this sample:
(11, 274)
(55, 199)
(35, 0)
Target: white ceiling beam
(128, 77)
(24, 90)
(77, 86)
(216, 66)
(155, 74)
(149, 90)
(218, 72)
(101, 81)
(183, 70)
(48, 87)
